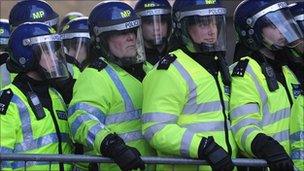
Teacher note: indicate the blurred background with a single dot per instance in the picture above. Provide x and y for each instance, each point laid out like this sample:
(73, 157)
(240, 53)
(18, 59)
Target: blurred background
(84, 6)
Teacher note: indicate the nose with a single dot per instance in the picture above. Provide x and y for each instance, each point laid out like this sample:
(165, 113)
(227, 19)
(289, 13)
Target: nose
(212, 29)
(130, 37)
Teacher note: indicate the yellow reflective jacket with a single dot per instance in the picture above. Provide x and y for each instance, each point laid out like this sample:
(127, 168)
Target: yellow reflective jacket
(255, 109)
(107, 100)
(297, 133)
(22, 132)
(181, 105)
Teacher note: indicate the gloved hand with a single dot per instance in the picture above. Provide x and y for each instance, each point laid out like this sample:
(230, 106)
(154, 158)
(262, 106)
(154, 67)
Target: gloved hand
(127, 158)
(217, 157)
(267, 148)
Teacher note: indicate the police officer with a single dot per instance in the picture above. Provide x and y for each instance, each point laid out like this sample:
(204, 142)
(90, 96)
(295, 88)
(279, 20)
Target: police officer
(33, 10)
(5, 32)
(185, 100)
(104, 114)
(263, 88)
(156, 27)
(76, 42)
(33, 116)
(41, 11)
(68, 17)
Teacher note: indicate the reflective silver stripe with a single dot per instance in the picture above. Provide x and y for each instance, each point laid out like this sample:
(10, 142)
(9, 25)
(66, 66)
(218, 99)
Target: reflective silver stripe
(244, 110)
(299, 17)
(151, 12)
(192, 107)
(149, 133)
(297, 154)
(203, 107)
(207, 126)
(186, 142)
(131, 136)
(3, 41)
(122, 26)
(122, 117)
(89, 109)
(251, 21)
(25, 119)
(70, 69)
(122, 90)
(41, 39)
(92, 132)
(201, 12)
(158, 117)
(5, 150)
(81, 119)
(5, 76)
(20, 164)
(281, 136)
(246, 134)
(243, 123)
(277, 116)
(297, 136)
(52, 22)
(40, 142)
(65, 36)
(5, 164)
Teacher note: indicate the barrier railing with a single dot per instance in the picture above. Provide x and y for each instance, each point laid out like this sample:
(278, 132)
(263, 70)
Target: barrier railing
(98, 159)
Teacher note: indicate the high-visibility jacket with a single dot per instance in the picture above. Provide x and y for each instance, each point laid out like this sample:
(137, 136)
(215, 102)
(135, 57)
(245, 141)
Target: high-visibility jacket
(107, 100)
(181, 105)
(297, 133)
(22, 132)
(6, 77)
(255, 109)
(74, 70)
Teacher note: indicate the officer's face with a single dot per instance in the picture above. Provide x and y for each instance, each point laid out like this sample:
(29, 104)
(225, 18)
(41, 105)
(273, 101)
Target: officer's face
(123, 45)
(80, 53)
(273, 36)
(154, 29)
(203, 33)
(48, 61)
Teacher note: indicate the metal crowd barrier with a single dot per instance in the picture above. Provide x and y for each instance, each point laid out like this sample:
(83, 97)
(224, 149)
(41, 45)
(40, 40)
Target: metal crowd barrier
(97, 159)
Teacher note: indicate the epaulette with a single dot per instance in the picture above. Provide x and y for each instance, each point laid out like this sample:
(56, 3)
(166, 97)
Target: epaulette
(98, 64)
(5, 100)
(240, 68)
(165, 62)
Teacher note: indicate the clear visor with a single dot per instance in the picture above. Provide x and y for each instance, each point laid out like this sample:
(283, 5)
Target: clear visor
(278, 29)
(126, 46)
(51, 59)
(77, 47)
(155, 29)
(207, 33)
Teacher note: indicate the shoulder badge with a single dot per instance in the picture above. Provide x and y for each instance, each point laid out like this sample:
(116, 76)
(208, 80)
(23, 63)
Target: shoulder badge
(5, 99)
(165, 62)
(98, 64)
(240, 68)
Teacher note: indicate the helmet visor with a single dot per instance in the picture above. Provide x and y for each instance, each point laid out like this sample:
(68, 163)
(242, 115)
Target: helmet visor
(278, 29)
(126, 45)
(77, 47)
(155, 29)
(207, 33)
(51, 59)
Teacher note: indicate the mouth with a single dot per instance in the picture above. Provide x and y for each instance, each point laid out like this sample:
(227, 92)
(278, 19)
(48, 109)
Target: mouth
(210, 40)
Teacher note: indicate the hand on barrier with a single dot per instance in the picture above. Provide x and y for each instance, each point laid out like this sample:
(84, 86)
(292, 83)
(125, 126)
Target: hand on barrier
(126, 157)
(267, 148)
(217, 157)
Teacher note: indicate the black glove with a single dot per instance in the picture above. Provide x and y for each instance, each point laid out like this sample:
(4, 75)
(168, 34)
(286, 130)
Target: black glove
(217, 157)
(127, 158)
(267, 148)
